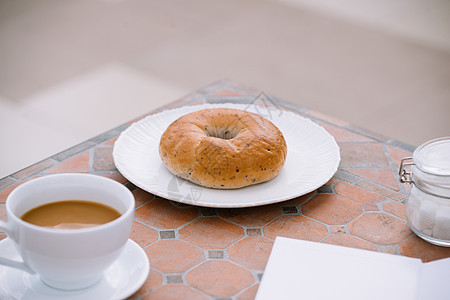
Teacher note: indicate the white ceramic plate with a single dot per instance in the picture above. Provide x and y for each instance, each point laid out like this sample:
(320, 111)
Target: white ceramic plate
(122, 279)
(312, 159)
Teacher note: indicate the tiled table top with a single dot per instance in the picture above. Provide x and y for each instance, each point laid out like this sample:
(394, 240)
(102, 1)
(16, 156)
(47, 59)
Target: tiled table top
(205, 253)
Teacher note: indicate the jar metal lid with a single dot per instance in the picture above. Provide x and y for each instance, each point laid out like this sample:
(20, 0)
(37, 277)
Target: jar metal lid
(430, 162)
(433, 157)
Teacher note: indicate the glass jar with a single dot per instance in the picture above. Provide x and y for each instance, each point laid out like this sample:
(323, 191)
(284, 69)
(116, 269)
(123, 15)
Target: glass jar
(428, 203)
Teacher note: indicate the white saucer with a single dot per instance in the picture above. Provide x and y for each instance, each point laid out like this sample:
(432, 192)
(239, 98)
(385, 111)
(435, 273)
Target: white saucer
(122, 279)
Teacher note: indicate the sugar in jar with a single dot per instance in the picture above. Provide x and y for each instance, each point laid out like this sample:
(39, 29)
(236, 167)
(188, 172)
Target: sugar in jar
(428, 203)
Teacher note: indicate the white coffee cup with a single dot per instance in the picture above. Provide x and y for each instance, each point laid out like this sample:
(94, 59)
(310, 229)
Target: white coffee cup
(68, 259)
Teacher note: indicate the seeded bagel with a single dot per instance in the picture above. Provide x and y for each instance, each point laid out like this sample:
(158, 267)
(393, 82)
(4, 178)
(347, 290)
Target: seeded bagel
(223, 148)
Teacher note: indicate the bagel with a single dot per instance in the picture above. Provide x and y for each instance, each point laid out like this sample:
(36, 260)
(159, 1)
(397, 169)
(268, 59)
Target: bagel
(223, 148)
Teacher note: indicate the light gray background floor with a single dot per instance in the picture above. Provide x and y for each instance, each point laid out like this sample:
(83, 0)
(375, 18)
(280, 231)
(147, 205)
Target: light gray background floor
(70, 70)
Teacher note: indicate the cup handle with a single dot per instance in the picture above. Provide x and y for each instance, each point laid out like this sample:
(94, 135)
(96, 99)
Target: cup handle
(9, 262)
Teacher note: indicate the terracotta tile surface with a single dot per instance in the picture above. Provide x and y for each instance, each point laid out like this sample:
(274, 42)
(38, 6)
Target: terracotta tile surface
(251, 253)
(219, 278)
(349, 241)
(252, 217)
(7, 181)
(154, 280)
(345, 136)
(42, 165)
(363, 156)
(141, 197)
(5, 192)
(337, 229)
(77, 164)
(211, 233)
(174, 256)
(298, 200)
(370, 207)
(103, 160)
(384, 177)
(355, 193)
(110, 142)
(156, 214)
(253, 232)
(382, 191)
(298, 227)
(2, 214)
(395, 208)
(290, 210)
(142, 234)
(332, 209)
(117, 177)
(248, 294)
(332, 181)
(416, 247)
(217, 253)
(389, 249)
(397, 154)
(380, 228)
(176, 292)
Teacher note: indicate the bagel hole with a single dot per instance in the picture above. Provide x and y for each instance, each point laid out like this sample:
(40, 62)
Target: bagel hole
(221, 133)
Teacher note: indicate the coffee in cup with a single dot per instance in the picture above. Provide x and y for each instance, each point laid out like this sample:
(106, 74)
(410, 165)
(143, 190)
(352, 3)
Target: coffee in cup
(71, 214)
